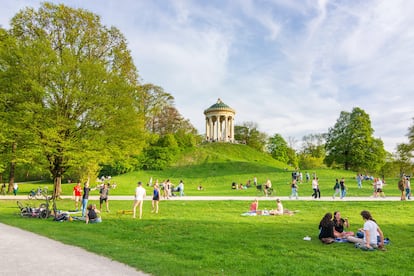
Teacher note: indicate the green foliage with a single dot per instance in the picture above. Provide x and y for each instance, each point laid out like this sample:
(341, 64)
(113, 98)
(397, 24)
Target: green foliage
(211, 238)
(71, 68)
(278, 148)
(249, 134)
(314, 145)
(307, 162)
(351, 144)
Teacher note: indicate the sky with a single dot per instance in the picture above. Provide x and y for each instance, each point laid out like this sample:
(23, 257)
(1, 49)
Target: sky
(290, 66)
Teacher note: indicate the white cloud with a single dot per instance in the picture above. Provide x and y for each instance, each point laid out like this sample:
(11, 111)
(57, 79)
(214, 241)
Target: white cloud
(290, 66)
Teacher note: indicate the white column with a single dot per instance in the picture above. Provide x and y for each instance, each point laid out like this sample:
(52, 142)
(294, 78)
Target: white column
(232, 129)
(226, 129)
(218, 129)
(207, 135)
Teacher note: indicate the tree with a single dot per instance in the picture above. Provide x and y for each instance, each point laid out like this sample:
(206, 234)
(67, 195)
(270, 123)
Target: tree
(351, 143)
(312, 152)
(249, 134)
(18, 145)
(153, 101)
(314, 145)
(278, 148)
(82, 88)
(403, 158)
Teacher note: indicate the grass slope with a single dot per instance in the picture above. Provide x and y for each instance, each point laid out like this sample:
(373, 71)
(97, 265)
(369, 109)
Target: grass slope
(216, 165)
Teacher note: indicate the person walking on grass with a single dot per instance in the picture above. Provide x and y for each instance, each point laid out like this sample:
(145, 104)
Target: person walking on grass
(401, 186)
(315, 187)
(155, 199)
(294, 188)
(336, 189)
(139, 196)
(343, 187)
(407, 188)
(15, 188)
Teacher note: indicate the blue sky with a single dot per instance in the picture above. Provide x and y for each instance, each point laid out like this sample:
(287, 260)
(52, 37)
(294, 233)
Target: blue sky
(291, 66)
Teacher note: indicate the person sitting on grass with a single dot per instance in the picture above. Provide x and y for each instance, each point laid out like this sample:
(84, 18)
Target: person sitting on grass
(92, 215)
(279, 208)
(371, 230)
(326, 229)
(234, 186)
(339, 225)
(254, 206)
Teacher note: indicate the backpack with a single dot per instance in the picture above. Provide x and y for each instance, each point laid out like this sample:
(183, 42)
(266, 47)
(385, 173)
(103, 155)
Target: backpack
(401, 185)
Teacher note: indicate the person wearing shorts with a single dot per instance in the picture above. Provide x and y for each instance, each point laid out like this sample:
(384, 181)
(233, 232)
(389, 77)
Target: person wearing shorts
(104, 197)
(77, 193)
(155, 199)
(139, 196)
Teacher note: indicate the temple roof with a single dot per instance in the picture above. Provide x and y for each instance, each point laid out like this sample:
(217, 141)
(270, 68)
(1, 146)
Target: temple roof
(219, 105)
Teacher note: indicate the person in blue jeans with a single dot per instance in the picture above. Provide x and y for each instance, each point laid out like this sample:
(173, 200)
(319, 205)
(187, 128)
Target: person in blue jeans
(343, 187)
(85, 197)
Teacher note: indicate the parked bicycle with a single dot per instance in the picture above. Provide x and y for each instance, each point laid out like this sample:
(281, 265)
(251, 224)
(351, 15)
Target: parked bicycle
(45, 210)
(38, 193)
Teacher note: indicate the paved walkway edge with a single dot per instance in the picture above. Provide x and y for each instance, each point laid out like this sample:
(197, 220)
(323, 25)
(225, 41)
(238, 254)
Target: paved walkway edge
(26, 253)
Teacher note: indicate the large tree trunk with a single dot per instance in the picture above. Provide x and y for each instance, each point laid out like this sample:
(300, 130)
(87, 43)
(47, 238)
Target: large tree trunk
(57, 190)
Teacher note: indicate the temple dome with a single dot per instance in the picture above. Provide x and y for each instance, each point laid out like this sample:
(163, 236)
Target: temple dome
(219, 106)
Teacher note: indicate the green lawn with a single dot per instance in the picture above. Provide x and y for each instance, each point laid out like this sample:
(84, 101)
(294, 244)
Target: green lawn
(212, 238)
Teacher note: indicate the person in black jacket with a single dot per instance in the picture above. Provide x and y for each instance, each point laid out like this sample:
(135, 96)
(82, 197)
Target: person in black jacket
(326, 229)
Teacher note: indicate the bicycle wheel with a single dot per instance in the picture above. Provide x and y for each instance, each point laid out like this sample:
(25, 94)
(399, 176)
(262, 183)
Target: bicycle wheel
(44, 214)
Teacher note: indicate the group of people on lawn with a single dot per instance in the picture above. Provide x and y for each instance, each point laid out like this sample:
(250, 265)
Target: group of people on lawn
(89, 212)
(254, 209)
(369, 237)
(140, 194)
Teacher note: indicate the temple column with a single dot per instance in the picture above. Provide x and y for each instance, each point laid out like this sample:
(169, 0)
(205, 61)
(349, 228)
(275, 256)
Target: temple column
(226, 130)
(207, 134)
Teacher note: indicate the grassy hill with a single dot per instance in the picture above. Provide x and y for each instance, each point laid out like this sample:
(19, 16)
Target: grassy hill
(216, 165)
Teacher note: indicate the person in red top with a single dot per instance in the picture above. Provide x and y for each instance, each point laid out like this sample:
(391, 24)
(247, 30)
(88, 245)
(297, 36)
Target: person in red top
(254, 206)
(77, 193)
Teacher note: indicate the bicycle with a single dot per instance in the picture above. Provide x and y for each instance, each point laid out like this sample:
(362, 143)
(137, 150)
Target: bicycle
(37, 194)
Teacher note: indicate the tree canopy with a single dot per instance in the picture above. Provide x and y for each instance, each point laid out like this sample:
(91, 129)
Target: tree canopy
(278, 148)
(249, 134)
(79, 87)
(350, 143)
